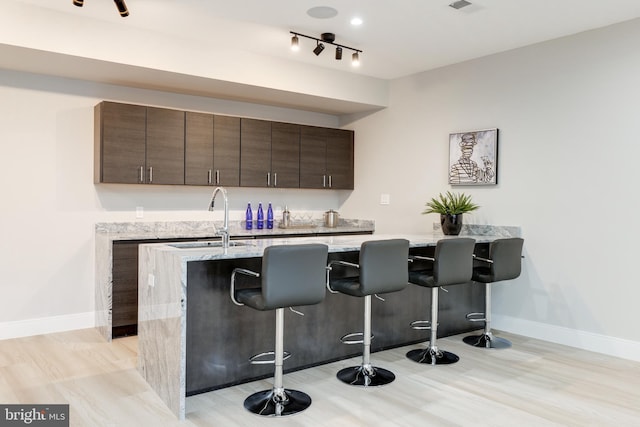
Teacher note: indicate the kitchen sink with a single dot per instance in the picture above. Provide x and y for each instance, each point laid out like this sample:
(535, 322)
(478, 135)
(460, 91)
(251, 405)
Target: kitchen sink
(207, 244)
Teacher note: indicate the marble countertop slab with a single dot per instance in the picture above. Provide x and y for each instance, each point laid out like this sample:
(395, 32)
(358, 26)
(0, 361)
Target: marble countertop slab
(207, 229)
(198, 251)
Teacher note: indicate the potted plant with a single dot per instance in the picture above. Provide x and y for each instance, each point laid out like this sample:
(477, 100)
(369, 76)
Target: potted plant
(450, 206)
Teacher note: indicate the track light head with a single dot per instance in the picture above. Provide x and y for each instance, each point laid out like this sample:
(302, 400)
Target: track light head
(78, 3)
(295, 43)
(122, 8)
(355, 59)
(338, 53)
(318, 49)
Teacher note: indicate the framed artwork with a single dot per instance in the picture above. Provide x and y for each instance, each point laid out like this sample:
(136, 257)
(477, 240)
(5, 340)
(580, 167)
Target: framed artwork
(473, 157)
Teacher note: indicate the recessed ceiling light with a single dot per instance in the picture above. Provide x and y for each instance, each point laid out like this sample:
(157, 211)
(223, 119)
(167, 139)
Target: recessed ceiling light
(322, 12)
(356, 21)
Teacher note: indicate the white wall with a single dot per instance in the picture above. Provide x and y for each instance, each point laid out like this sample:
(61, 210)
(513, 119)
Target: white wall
(50, 203)
(568, 118)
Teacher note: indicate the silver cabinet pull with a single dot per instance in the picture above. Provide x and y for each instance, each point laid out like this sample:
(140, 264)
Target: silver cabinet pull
(275, 179)
(217, 176)
(142, 174)
(324, 181)
(268, 179)
(209, 177)
(150, 174)
(330, 184)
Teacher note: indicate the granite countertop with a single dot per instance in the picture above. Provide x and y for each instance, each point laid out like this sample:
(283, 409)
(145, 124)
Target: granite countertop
(207, 229)
(202, 251)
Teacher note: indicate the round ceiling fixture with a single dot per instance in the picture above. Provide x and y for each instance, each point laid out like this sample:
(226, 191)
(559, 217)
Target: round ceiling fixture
(322, 12)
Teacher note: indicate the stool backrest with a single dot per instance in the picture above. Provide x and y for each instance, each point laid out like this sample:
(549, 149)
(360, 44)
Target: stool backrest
(383, 266)
(453, 261)
(506, 255)
(293, 275)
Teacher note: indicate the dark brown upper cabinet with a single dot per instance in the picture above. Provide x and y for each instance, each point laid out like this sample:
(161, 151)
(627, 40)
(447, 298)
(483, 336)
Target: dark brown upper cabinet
(255, 153)
(285, 155)
(326, 158)
(212, 149)
(340, 159)
(139, 145)
(120, 147)
(165, 146)
(198, 149)
(226, 151)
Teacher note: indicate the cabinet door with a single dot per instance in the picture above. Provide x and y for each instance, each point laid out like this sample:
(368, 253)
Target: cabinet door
(226, 150)
(285, 155)
(198, 149)
(255, 153)
(313, 152)
(340, 159)
(120, 143)
(165, 146)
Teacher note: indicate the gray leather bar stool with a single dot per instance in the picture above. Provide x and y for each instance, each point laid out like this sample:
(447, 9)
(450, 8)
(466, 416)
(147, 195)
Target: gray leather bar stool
(382, 269)
(452, 264)
(291, 275)
(504, 263)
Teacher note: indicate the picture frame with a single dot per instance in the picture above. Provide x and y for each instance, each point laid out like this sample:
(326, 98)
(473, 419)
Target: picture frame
(473, 157)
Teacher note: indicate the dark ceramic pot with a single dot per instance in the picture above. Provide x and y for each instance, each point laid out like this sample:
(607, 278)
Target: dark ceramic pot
(451, 224)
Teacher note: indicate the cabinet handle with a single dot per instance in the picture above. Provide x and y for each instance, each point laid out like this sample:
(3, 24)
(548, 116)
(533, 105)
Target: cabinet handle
(330, 184)
(217, 176)
(275, 179)
(209, 177)
(268, 179)
(141, 174)
(150, 174)
(324, 181)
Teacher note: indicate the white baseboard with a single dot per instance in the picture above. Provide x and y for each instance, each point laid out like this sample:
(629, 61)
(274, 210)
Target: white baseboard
(47, 325)
(612, 346)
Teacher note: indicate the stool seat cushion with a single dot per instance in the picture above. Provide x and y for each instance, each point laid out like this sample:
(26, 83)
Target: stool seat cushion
(348, 285)
(423, 278)
(252, 297)
(483, 275)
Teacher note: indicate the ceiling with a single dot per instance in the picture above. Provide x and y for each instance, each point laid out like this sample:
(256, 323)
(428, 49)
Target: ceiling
(397, 38)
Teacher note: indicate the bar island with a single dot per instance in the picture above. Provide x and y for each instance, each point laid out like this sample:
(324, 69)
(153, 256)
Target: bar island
(193, 339)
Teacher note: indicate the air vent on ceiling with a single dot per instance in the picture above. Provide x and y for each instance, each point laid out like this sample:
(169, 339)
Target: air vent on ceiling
(460, 4)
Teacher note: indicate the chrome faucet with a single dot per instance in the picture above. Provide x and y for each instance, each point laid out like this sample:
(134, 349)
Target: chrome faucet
(225, 227)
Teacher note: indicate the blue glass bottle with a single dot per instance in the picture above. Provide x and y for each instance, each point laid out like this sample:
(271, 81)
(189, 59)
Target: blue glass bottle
(269, 217)
(260, 217)
(249, 217)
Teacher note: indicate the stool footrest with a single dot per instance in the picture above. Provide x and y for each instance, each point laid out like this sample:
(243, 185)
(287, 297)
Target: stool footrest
(420, 325)
(347, 339)
(476, 317)
(259, 359)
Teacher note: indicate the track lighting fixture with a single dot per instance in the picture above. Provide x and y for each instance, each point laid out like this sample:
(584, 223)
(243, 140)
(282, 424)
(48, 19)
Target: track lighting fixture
(122, 8)
(326, 38)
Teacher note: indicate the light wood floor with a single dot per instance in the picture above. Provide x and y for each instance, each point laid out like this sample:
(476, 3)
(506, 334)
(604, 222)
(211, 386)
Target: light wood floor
(535, 383)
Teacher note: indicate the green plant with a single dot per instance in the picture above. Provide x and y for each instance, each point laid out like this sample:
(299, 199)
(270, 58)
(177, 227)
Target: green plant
(450, 204)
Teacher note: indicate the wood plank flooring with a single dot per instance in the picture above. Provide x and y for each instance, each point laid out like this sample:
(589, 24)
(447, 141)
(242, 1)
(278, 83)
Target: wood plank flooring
(535, 383)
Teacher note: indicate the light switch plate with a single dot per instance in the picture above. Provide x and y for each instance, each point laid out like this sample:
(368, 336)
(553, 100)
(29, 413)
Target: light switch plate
(139, 212)
(385, 199)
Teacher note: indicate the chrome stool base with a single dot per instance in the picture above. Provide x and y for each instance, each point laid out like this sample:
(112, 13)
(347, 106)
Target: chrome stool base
(432, 357)
(487, 341)
(267, 403)
(361, 376)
